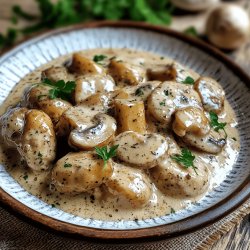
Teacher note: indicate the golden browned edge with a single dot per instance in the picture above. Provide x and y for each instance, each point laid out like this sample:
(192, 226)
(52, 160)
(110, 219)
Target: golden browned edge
(178, 228)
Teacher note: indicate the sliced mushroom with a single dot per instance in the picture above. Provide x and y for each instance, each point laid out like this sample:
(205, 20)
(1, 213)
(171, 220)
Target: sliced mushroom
(131, 115)
(170, 97)
(126, 73)
(190, 120)
(12, 124)
(131, 184)
(55, 73)
(175, 180)
(211, 93)
(86, 128)
(80, 172)
(212, 143)
(140, 150)
(83, 65)
(76, 117)
(38, 97)
(99, 134)
(92, 84)
(170, 72)
(38, 142)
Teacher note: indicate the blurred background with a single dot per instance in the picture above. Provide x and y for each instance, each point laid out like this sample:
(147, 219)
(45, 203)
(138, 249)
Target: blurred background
(225, 24)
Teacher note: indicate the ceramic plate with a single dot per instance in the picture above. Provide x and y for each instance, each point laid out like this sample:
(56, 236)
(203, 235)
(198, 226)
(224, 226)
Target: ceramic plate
(234, 187)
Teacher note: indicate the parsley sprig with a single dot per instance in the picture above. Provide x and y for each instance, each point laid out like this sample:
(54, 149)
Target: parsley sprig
(53, 14)
(60, 89)
(99, 58)
(215, 124)
(105, 153)
(186, 159)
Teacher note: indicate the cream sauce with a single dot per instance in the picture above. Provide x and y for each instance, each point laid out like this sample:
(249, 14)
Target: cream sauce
(110, 208)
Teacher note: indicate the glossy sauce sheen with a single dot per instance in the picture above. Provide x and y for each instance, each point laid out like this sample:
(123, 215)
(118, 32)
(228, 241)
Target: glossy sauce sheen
(110, 208)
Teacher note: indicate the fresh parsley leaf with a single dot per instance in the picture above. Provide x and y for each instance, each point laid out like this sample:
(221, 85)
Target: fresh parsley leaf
(188, 80)
(59, 13)
(186, 159)
(163, 103)
(60, 89)
(67, 165)
(215, 124)
(139, 92)
(105, 153)
(191, 31)
(98, 58)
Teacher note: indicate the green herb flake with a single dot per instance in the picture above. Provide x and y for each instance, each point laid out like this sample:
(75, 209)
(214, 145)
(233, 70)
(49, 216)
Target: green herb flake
(186, 159)
(105, 153)
(162, 57)
(191, 31)
(163, 103)
(234, 138)
(215, 124)
(98, 58)
(139, 92)
(172, 211)
(25, 177)
(188, 80)
(166, 92)
(39, 154)
(53, 205)
(60, 89)
(67, 165)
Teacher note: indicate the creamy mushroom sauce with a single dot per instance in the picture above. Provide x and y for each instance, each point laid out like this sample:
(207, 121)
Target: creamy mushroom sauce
(111, 207)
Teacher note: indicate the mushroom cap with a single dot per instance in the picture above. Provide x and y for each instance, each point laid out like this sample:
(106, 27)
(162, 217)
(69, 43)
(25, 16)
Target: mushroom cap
(12, 125)
(140, 150)
(228, 26)
(175, 180)
(80, 172)
(130, 183)
(99, 133)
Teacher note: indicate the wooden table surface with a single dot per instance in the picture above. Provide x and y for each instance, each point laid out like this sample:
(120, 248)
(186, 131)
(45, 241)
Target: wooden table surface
(239, 237)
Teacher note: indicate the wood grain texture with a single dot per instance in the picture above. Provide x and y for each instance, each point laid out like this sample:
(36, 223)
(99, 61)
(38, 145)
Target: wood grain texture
(239, 236)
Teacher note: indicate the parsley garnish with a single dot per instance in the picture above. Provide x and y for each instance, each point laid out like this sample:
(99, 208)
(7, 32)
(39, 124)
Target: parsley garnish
(186, 159)
(60, 13)
(98, 58)
(106, 154)
(60, 89)
(67, 165)
(191, 31)
(188, 80)
(139, 92)
(215, 124)
(163, 103)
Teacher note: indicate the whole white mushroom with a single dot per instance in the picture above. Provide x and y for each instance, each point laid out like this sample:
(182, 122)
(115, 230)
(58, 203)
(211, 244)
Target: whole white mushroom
(228, 26)
(194, 5)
